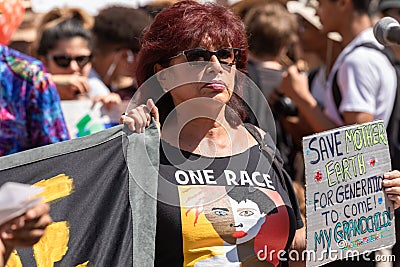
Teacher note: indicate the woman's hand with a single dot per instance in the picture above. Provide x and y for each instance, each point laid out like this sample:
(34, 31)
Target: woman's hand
(71, 87)
(391, 183)
(139, 118)
(299, 240)
(108, 100)
(295, 84)
(27, 229)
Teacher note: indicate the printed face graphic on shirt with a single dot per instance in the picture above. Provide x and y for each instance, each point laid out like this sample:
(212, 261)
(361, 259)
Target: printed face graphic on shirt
(238, 217)
(220, 215)
(248, 220)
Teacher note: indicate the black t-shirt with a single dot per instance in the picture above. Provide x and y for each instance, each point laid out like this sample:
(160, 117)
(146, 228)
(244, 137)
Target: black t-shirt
(223, 211)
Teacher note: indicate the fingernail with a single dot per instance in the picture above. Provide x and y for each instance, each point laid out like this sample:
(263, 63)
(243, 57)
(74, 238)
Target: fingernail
(31, 214)
(4, 235)
(386, 175)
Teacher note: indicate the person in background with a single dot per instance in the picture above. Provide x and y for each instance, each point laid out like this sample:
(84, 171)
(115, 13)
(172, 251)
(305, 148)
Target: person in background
(271, 32)
(241, 7)
(30, 112)
(64, 44)
(365, 76)
(319, 49)
(117, 31)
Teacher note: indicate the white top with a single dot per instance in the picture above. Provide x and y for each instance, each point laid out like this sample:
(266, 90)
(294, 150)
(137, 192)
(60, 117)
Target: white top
(97, 87)
(366, 79)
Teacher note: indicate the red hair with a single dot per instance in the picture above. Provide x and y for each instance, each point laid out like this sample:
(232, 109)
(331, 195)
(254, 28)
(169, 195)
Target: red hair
(185, 25)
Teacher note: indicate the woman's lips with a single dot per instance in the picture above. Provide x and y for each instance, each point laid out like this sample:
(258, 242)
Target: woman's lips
(216, 85)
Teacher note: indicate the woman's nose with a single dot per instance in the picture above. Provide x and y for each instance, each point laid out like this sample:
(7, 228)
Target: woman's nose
(74, 66)
(216, 65)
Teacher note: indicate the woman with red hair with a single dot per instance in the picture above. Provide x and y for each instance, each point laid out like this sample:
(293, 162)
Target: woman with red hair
(191, 82)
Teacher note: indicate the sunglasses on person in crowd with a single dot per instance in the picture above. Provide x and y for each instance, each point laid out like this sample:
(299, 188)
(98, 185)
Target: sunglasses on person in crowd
(64, 61)
(227, 56)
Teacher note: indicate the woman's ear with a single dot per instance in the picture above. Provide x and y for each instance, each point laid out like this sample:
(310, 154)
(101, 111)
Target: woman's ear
(157, 68)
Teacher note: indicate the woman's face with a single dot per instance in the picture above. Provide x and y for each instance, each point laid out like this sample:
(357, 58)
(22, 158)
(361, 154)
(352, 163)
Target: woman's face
(192, 77)
(70, 56)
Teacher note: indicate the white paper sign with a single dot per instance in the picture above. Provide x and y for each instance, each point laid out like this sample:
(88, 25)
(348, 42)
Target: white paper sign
(16, 199)
(347, 212)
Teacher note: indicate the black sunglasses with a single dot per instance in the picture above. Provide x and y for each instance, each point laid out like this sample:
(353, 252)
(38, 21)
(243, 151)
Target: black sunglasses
(64, 61)
(227, 56)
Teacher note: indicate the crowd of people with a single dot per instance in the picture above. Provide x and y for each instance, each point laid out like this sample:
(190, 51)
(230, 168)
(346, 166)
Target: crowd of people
(315, 72)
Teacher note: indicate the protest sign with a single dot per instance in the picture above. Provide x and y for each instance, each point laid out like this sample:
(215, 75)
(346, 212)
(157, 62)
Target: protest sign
(83, 117)
(347, 212)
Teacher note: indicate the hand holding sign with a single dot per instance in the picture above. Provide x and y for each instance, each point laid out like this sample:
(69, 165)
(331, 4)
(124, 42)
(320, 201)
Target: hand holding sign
(391, 183)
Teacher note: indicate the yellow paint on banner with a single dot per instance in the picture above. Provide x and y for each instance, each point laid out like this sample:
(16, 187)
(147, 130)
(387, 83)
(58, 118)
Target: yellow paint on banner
(53, 245)
(14, 260)
(56, 187)
(83, 264)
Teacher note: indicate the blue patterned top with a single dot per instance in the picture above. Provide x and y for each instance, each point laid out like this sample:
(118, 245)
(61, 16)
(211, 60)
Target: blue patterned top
(30, 111)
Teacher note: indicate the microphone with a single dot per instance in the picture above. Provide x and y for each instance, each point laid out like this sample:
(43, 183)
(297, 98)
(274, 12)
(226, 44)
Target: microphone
(387, 31)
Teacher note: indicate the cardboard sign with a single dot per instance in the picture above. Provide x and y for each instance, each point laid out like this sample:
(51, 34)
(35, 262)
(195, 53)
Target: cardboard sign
(347, 212)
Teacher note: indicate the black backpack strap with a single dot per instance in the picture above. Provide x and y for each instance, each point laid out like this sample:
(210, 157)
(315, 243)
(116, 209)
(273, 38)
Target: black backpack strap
(268, 148)
(311, 76)
(337, 95)
(269, 152)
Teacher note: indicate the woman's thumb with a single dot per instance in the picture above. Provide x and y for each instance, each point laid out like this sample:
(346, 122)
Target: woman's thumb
(153, 110)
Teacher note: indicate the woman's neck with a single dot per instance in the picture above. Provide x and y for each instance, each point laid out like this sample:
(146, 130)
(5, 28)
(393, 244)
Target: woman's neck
(211, 137)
